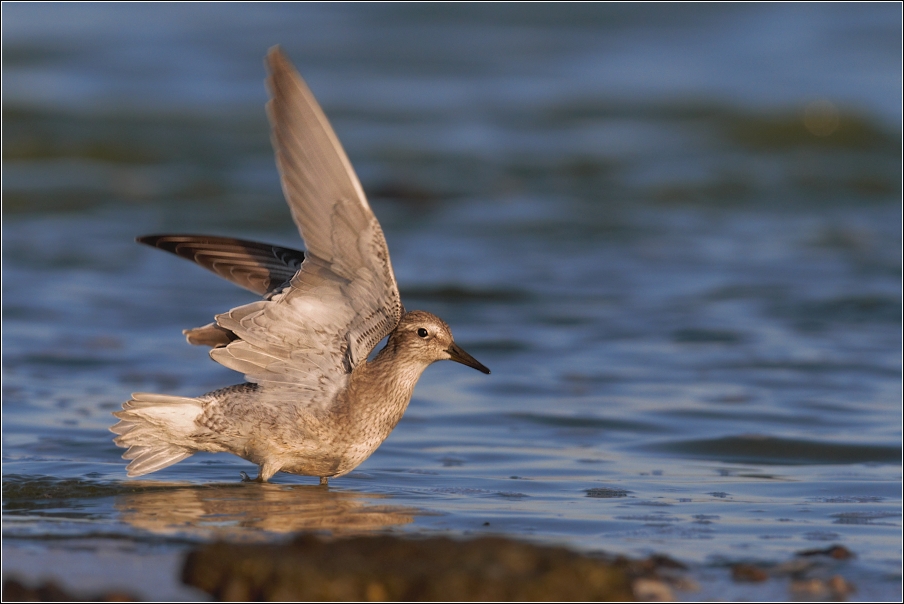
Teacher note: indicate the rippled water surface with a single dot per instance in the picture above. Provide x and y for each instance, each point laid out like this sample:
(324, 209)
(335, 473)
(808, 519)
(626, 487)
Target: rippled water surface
(673, 233)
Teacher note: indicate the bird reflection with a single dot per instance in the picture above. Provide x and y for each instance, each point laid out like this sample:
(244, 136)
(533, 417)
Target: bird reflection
(251, 511)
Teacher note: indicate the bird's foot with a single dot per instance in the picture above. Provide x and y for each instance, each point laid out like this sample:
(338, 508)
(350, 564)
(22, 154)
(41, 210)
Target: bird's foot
(324, 480)
(246, 478)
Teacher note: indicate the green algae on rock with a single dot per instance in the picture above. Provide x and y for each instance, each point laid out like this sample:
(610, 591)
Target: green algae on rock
(389, 568)
(17, 591)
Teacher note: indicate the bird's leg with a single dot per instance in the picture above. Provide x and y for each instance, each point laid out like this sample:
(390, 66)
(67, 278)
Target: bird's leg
(266, 472)
(263, 475)
(323, 480)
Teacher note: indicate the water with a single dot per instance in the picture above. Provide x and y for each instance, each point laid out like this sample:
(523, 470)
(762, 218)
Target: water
(672, 232)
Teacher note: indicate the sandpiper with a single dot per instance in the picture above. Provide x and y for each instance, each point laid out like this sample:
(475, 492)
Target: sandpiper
(313, 403)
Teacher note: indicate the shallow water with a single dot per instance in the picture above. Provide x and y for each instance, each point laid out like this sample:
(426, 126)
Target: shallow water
(681, 264)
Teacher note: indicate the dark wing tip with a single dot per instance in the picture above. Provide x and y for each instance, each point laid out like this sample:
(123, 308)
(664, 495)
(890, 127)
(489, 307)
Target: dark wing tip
(259, 267)
(169, 243)
(148, 239)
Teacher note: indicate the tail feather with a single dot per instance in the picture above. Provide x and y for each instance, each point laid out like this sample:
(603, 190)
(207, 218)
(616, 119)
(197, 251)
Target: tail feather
(143, 399)
(156, 459)
(157, 429)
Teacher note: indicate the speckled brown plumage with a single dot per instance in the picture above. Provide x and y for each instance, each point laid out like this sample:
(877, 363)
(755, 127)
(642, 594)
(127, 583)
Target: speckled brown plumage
(313, 404)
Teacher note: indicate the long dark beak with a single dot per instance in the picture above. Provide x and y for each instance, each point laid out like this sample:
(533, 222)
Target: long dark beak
(460, 356)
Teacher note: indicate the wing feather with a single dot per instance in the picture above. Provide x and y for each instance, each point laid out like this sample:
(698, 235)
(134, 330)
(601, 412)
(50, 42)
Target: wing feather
(344, 298)
(258, 267)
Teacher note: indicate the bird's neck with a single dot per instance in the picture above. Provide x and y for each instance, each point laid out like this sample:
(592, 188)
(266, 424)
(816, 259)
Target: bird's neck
(385, 384)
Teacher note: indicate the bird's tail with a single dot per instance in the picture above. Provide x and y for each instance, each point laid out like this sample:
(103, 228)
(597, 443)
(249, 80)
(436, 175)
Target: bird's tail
(156, 428)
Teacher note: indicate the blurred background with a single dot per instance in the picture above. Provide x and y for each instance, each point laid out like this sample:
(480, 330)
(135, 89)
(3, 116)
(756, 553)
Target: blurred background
(672, 231)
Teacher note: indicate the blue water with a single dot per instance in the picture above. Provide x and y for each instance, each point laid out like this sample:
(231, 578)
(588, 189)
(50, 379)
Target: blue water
(672, 232)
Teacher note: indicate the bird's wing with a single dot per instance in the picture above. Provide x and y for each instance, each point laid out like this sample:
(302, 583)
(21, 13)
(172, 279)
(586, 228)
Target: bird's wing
(344, 300)
(258, 267)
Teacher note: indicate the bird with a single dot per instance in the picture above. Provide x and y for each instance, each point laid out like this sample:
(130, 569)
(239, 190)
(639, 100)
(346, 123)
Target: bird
(315, 401)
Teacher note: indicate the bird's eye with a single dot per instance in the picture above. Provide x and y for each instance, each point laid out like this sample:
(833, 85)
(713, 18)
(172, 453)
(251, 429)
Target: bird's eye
(422, 332)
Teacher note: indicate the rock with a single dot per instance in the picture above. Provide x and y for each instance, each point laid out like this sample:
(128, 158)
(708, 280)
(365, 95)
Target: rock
(839, 552)
(652, 590)
(391, 568)
(748, 572)
(815, 589)
(15, 591)
(835, 588)
(684, 584)
(840, 588)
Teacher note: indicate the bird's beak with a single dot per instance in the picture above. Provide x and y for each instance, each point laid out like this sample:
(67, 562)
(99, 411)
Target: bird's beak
(460, 356)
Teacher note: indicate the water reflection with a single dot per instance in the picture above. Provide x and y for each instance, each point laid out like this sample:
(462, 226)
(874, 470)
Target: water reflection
(251, 511)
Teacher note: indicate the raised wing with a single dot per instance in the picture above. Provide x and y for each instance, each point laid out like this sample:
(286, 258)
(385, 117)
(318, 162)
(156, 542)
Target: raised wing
(344, 300)
(258, 267)
(319, 183)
